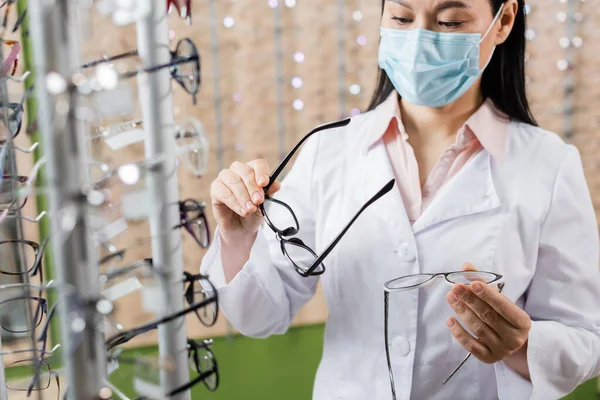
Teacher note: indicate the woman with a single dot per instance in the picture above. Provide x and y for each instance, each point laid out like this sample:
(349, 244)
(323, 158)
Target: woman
(478, 185)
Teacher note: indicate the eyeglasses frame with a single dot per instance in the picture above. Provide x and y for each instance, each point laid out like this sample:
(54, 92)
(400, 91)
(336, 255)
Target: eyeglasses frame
(287, 235)
(386, 292)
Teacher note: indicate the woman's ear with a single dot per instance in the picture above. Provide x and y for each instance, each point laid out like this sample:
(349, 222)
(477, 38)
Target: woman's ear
(507, 20)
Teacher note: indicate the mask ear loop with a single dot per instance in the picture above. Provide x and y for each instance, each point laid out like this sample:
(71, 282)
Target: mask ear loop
(493, 23)
(487, 32)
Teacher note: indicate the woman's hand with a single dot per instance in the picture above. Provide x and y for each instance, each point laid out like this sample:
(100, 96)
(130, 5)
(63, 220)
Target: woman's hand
(502, 328)
(236, 194)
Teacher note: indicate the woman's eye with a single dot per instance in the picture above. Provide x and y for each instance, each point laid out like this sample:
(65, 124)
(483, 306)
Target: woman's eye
(402, 21)
(450, 24)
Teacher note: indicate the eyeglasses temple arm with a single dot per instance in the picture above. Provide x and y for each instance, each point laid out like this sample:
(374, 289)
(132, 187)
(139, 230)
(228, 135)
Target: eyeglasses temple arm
(287, 158)
(384, 190)
(109, 59)
(158, 67)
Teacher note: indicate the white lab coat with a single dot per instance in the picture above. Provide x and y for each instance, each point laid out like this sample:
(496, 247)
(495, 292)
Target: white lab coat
(529, 218)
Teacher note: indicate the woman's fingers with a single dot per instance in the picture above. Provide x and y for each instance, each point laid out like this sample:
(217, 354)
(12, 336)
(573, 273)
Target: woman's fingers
(237, 186)
(222, 194)
(481, 329)
(262, 172)
(241, 187)
(472, 345)
(248, 176)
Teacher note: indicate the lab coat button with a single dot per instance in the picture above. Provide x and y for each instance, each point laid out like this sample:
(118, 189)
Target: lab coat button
(401, 346)
(406, 252)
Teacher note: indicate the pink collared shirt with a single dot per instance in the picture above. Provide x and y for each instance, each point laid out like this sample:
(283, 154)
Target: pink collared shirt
(486, 129)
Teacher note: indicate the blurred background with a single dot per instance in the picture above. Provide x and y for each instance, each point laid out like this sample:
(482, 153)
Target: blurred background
(271, 70)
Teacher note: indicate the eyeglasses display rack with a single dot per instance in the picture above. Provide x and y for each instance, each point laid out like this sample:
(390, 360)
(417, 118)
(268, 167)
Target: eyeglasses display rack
(157, 111)
(54, 28)
(56, 56)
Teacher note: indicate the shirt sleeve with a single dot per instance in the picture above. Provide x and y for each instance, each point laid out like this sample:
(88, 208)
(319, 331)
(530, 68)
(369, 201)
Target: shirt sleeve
(264, 296)
(563, 299)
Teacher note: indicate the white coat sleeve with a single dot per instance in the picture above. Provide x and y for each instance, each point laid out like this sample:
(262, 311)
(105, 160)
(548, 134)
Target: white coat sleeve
(264, 296)
(563, 299)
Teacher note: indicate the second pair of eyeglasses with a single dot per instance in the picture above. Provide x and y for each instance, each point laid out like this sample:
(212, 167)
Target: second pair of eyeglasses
(280, 217)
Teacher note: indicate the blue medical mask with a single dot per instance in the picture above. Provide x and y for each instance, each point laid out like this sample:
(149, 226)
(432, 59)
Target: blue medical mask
(431, 68)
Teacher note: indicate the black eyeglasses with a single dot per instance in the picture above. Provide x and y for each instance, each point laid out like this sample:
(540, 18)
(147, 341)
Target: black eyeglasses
(184, 66)
(199, 288)
(209, 300)
(281, 218)
(204, 292)
(32, 251)
(203, 361)
(193, 219)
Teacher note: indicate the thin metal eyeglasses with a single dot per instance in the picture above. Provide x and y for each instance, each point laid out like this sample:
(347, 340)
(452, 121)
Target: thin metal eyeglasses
(43, 376)
(203, 361)
(417, 281)
(185, 53)
(286, 226)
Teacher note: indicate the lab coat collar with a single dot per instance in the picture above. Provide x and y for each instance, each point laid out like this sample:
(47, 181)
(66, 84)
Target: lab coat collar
(488, 124)
(471, 191)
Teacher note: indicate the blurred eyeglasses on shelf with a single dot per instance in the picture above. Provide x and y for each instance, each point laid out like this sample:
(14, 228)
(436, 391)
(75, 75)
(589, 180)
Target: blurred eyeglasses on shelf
(15, 189)
(23, 250)
(418, 281)
(191, 141)
(204, 363)
(12, 114)
(192, 219)
(202, 300)
(184, 68)
(143, 276)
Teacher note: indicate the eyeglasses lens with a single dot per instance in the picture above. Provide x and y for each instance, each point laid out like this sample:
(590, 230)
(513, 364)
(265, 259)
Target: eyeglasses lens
(281, 217)
(8, 198)
(14, 315)
(409, 281)
(14, 251)
(302, 257)
(194, 146)
(9, 115)
(185, 70)
(208, 314)
(22, 384)
(200, 230)
(206, 364)
(469, 277)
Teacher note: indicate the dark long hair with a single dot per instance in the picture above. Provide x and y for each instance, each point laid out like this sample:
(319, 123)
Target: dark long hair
(503, 80)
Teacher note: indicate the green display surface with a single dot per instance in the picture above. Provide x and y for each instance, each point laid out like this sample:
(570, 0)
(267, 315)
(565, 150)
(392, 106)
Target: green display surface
(280, 367)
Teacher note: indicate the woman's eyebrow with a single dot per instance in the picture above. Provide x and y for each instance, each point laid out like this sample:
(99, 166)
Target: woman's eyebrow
(402, 3)
(445, 5)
